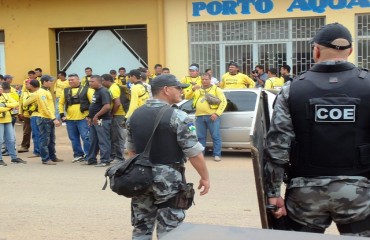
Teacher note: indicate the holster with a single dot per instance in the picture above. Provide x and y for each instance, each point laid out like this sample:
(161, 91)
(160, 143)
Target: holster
(185, 197)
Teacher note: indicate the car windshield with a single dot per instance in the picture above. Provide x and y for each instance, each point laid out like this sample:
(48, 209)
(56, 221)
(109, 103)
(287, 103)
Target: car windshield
(237, 101)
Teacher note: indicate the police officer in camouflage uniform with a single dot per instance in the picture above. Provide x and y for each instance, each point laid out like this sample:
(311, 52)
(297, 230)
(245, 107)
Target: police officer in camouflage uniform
(174, 140)
(320, 133)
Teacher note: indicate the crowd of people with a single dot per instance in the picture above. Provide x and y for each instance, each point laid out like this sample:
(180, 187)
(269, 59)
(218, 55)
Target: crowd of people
(94, 108)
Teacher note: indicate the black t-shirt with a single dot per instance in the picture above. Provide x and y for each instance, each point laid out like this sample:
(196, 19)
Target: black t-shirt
(99, 99)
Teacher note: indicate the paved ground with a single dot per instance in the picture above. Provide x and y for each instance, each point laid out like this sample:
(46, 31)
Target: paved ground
(66, 201)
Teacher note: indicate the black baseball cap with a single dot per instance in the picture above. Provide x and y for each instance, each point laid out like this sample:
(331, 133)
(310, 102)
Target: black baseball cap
(135, 73)
(232, 63)
(327, 34)
(167, 80)
(46, 78)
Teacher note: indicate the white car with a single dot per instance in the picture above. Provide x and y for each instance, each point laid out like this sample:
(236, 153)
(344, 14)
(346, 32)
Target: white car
(236, 121)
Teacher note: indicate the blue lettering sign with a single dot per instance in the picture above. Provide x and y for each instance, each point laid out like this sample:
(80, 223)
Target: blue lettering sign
(299, 4)
(322, 5)
(264, 6)
(214, 8)
(231, 7)
(340, 5)
(245, 6)
(197, 7)
(318, 7)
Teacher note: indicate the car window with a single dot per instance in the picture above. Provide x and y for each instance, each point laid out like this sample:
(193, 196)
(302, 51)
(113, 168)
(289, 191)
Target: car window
(240, 101)
(188, 107)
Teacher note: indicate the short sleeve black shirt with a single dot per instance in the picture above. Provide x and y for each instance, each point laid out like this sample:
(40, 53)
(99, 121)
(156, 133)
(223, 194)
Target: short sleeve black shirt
(99, 99)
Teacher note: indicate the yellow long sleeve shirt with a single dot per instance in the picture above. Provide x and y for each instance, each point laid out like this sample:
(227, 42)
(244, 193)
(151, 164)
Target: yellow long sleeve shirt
(59, 87)
(202, 107)
(73, 111)
(26, 110)
(45, 103)
(139, 96)
(239, 80)
(7, 104)
(191, 81)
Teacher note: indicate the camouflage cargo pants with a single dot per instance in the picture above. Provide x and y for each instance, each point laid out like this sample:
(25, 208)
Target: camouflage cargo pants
(315, 203)
(144, 212)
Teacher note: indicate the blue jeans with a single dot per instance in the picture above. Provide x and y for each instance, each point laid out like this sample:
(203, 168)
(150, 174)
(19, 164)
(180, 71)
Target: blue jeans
(100, 141)
(202, 124)
(47, 139)
(7, 134)
(79, 130)
(35, 135)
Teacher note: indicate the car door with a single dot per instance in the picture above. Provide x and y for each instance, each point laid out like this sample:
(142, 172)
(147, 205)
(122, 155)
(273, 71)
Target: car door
(237, 118)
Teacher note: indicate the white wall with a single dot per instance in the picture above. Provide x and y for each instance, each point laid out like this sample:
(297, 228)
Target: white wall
(103, 53)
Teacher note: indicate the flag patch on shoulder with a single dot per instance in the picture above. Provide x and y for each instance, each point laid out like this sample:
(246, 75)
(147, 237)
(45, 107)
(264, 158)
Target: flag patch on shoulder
(191, 127)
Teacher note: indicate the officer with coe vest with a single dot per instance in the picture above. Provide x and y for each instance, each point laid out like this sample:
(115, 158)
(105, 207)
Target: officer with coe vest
(320, 133)
(209, 102)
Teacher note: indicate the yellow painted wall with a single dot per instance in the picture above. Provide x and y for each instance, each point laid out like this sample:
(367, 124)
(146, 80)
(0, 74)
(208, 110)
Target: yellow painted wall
(30, 39)
(29, 24)
(176, 37)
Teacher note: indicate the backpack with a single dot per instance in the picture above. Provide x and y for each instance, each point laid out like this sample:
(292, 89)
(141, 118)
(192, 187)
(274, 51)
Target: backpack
(125, 100)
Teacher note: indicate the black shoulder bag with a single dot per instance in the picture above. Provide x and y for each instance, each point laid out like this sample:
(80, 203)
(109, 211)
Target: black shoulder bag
(133, 177)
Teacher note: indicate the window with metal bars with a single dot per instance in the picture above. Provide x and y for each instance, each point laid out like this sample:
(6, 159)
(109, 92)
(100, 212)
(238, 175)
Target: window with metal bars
(363, 40)
(271, 43)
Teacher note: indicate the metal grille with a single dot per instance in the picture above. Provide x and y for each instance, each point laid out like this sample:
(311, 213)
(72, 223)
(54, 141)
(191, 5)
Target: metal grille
(272, 29)
(305, 28)
(272, 55)
(204, 32)
(207, 56)
(237, 31)
(270, 43)
(241, 54)
(363, 40)
(302, 56)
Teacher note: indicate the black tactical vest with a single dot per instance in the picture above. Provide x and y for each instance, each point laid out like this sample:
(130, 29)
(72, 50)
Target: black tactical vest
(79, 98)
(330, 109)
(165, 149)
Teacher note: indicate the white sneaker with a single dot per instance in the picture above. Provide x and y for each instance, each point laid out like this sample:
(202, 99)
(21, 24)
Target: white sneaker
(217, 158)
(78, 159)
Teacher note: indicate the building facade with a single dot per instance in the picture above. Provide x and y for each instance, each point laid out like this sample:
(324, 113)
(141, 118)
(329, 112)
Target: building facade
(71, 35)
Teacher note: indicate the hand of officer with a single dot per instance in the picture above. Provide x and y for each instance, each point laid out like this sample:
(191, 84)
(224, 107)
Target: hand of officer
(203, 186)
(279, 202)
(56, 122)
(214, 116)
